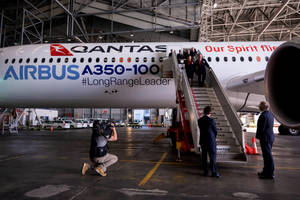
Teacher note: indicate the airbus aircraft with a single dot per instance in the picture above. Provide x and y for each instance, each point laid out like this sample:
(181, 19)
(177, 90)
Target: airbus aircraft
(129, 75)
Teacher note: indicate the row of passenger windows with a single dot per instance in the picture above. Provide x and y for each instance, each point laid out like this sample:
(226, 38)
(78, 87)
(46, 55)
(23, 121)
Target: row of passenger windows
(81, 60)
(234, 59)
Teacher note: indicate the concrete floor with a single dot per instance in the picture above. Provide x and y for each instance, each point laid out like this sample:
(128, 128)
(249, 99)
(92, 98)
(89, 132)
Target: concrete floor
(44, 165)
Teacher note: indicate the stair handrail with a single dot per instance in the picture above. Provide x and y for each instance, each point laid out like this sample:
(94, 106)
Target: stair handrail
(184, 85)
(231, 114)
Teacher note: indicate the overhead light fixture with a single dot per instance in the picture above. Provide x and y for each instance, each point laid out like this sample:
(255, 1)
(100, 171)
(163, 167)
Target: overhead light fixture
(131, 35)
(171, 32)
(215, 5)
(100, 37)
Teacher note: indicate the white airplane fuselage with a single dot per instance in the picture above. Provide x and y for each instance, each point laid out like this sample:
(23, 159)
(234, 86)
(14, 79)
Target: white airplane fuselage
(112, 75)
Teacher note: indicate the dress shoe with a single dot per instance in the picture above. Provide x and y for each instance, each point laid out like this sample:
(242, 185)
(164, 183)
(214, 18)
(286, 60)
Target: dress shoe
(215, 175)
(263, 176)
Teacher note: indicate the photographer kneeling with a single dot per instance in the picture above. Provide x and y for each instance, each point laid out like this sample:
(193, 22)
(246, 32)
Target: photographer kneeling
(101, 159)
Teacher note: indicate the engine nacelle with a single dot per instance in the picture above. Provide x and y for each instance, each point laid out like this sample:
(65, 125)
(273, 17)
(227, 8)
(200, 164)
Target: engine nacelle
(282, 84)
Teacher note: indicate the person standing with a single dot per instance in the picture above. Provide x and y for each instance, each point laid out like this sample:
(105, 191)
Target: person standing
(208, 134)
(200, 66)
(190, 69)
(265, 135)
(101, 159)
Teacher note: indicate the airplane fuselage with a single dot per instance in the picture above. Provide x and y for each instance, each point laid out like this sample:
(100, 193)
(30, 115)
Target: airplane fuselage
(112, 75)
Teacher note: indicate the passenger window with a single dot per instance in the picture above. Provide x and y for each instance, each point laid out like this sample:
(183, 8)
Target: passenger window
(74, 60)
(153, 59)
(43, 60)
(35, 60)
(6, 61)
(90, 60)
(20, 60)
(209, 59)
(13, 61)
(97, 60)
(225, 59)
(242, 59)
(105, 60)
(137, 59)
(66, 60)
(217, 59)
(161, 59)
(50, 60)
(250, 59)
(233, 59)
(81, 60)
(58, 60)
(113, 60)
(129, 59)
(145, 59)
(267, 58)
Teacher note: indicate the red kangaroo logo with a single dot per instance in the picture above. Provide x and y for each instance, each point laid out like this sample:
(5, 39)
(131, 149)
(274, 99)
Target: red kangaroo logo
(59, 50)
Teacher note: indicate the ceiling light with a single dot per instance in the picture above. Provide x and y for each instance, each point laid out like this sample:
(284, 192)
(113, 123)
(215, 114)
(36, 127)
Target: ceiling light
(131, 35)
(171, 32)
(215, 5)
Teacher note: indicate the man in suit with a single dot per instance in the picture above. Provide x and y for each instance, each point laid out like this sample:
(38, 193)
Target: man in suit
(208, 134)
(265, 135)
(200, 66)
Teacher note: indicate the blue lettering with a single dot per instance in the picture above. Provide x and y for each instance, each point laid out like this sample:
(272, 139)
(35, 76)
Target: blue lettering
(86, 70)
(63, 72)
(10, 73)
(72, 70)
(21, 72)
(44, 72)
(32, 73)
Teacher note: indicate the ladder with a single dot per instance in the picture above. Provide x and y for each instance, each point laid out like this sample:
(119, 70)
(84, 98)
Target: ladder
(192, 100)
(13, 122)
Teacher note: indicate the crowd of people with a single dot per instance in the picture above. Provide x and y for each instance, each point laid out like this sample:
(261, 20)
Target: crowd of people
(193, 63)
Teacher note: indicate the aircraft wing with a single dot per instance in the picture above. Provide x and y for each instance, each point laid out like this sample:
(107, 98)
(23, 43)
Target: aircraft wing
(250, 83)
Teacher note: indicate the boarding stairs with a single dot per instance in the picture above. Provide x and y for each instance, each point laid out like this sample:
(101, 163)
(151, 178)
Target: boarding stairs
(192, 101)
(13, 119)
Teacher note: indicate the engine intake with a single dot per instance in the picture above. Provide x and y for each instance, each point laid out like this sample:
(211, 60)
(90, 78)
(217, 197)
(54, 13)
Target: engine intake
(282, 84)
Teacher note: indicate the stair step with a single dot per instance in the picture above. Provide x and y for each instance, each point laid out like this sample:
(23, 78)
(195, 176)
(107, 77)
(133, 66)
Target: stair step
(224, 134)
(226, 141)
(227, 148)
(231, 157)
(207, 96)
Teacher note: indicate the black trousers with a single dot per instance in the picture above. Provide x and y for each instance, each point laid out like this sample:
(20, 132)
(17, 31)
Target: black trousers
(201, 78)
(266, 148)
(212, 157)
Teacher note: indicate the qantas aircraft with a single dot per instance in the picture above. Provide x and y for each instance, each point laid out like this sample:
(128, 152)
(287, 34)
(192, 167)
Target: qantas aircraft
(129, 75)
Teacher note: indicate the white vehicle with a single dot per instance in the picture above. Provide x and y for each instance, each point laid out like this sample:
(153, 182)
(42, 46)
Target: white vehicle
(89, 123)
(74, 124)
(46, 124)
(83, 123)
(129, 75)
(60, 124)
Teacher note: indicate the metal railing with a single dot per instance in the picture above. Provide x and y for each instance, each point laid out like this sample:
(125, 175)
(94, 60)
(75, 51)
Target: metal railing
(182, 83)
(231, 115)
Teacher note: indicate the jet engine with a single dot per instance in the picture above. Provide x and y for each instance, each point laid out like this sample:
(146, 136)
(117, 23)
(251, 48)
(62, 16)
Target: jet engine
(282, 84)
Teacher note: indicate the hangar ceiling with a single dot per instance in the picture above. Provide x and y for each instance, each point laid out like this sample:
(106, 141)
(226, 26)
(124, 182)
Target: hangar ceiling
(39, 21)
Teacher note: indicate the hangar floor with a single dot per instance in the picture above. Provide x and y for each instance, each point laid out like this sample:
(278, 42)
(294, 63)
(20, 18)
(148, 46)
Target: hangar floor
(44, 165)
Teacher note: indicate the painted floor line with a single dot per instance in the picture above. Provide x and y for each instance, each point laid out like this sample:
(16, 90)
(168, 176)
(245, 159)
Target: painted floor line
(153, 170)
(11, 158)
